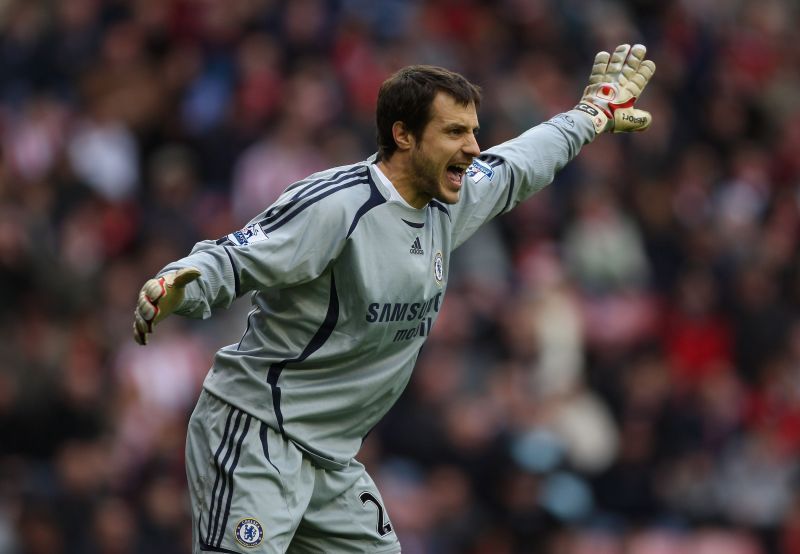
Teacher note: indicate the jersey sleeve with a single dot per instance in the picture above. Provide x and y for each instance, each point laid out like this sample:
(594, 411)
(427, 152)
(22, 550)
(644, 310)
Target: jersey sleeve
(284, 246)
(506, 174)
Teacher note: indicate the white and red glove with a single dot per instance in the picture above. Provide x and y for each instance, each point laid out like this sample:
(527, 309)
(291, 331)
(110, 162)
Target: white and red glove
(158, 298)
(616, 82)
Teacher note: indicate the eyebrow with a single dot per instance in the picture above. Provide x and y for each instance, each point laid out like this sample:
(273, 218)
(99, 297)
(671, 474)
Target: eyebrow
(460, 127)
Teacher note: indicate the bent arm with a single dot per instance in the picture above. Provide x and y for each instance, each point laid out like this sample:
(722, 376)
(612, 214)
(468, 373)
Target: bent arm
(261, 257)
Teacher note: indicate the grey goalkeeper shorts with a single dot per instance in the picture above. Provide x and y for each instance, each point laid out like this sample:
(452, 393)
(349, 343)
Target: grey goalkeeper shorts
(252, 490)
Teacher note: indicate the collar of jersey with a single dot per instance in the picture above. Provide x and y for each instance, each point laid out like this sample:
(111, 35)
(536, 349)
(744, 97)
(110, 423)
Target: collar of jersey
(413, 214)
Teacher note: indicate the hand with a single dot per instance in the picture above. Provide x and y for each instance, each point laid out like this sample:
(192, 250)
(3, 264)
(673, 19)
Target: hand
(616, 81)
(158, 298)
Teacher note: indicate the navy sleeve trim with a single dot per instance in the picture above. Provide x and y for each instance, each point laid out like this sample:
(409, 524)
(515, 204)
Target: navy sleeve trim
(338, 181)
(492, 160)
(236, 284)
(375, 199)
(277, 223)
(272, 219)
(298, 184)
(510, 192)
(440, 207)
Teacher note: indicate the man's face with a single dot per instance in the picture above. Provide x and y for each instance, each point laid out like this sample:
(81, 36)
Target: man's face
(444, 151)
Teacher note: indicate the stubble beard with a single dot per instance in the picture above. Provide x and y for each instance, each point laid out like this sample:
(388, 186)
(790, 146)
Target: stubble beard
(426, 175)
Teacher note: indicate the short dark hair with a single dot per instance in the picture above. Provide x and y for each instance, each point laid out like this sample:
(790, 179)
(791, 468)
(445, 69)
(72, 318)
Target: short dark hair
(407, 96)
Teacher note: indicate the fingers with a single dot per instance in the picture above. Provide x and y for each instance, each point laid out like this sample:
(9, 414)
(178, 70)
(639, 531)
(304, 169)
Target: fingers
(632, 63)
(143, 317)
(629, 67)
(153, 289)
(146, 309)
(140, 329)
(636, 71)
(642, 77)
(622, 66)
(599, 68)
(617, 60)
(635, 57)
(147, 306)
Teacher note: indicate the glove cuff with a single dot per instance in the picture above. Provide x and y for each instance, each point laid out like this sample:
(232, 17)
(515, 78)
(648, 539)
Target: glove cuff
(600, 119)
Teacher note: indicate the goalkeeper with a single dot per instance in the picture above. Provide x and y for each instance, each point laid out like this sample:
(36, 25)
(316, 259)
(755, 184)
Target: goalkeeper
(348, 270)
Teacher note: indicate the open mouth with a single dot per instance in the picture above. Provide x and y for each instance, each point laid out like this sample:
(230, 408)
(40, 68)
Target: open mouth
(455, 173)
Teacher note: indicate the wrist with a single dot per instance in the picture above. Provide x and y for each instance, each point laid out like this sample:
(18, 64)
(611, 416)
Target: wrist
(600, 119)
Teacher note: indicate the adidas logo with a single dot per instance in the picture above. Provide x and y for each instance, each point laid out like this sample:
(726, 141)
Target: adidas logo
(416, 247)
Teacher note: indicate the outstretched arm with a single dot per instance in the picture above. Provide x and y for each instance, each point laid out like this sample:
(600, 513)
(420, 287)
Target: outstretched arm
(508, 173)
(289, 244)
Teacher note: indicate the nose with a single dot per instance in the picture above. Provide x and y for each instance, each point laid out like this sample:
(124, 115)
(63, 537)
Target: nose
(471, 146)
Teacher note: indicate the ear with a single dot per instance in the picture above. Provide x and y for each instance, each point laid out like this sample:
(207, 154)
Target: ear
(402, 137)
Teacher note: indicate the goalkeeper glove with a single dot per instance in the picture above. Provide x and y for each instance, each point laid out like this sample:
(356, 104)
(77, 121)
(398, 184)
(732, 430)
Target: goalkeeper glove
(158, 298)
(615, 83)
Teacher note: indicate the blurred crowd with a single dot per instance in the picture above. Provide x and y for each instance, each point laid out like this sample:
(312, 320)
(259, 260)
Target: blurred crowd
(616, 369)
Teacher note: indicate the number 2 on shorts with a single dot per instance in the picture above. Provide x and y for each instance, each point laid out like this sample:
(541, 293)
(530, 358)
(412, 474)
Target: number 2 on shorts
(384, 527)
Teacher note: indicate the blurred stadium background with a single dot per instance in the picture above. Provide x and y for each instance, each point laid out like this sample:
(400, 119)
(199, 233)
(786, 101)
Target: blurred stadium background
(617, 366)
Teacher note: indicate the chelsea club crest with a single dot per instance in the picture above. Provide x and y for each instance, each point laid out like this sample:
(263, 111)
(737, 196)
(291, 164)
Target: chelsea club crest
(438, 268)
(249, 532)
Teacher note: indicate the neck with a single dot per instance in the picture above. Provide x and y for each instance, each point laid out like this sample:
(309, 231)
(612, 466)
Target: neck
(397, 170)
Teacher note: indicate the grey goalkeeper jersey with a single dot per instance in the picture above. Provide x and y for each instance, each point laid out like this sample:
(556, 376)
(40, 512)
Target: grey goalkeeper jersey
(348, 284)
